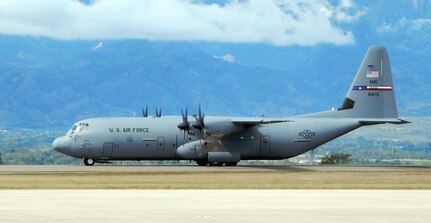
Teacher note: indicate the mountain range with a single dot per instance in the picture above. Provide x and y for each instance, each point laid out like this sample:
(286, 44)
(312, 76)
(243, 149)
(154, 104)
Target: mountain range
(46, 82)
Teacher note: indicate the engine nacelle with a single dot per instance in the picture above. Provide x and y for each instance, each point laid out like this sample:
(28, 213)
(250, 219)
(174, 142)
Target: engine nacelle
(193, 150)
(221, 127)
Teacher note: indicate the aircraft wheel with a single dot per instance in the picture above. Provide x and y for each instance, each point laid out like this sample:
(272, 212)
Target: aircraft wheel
(89, 162)
(202, 162)
(231, 163)
(216, 163)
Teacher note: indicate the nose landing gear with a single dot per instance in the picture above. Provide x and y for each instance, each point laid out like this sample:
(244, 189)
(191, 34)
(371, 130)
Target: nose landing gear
(89, 162)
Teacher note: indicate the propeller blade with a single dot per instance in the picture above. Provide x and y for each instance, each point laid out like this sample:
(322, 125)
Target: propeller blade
(199, 124)
(184, 115)
(158, 112)
(185, 125)
(145, 112)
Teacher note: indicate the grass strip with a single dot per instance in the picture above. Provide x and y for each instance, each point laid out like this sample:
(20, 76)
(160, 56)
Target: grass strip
(219, 180)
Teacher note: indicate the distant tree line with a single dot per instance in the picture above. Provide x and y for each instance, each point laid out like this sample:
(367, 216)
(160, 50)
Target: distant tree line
(337, 158)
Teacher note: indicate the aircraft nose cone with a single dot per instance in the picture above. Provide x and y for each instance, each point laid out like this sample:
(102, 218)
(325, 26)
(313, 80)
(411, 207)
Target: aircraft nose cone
(62, 145)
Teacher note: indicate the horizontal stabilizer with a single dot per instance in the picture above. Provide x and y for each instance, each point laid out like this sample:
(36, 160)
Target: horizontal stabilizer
(372, 121)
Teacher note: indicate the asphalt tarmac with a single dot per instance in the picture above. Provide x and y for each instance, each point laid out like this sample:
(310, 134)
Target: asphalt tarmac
(7, 169)
(49, 206)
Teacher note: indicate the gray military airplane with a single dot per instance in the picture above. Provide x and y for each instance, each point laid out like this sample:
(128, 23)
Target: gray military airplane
(218, 140)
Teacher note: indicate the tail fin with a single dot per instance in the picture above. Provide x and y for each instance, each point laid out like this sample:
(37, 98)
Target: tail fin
(371, 94)
(371, 97)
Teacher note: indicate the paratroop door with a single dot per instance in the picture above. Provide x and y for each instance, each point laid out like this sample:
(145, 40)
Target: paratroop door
(265, 143)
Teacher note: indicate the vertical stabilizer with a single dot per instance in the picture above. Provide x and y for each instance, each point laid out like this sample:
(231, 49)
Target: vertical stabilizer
(371, 94)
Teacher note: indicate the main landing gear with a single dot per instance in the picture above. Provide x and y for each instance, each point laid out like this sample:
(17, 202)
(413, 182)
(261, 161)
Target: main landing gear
(202, 162)
(89, 162)
(205, 163)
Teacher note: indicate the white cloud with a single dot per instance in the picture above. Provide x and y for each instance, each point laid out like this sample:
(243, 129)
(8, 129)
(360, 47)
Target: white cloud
(278, 22)
(405, 24)
(346, 11)
(386, 28)
(228, 58)
(419, 24)
(98, 46)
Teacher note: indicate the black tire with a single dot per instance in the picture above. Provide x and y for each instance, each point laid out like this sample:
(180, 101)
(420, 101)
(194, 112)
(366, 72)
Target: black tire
(216, 163)
(202, 162)
(89, 162)
(231, 163)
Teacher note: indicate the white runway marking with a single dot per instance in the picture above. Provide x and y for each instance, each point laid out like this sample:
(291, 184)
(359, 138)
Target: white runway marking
(179, 206)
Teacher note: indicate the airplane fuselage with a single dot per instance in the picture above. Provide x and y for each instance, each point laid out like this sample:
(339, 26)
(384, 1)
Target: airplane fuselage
(160, 139)
(370, 100)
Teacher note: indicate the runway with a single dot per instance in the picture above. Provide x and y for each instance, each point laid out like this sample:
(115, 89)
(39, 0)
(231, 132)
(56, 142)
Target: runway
(179, 206)
(8, 169)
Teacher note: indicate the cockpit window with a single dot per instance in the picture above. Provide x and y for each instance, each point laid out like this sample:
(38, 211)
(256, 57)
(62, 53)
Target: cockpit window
(82, 127)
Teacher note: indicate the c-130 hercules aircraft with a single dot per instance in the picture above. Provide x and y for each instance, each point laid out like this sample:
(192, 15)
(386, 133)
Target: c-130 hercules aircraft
(218, 140)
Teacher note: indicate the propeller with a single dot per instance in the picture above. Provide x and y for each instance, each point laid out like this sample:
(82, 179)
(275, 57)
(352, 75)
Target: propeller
(145, 112)
(185, 125)
(199, 124)
(158, 113)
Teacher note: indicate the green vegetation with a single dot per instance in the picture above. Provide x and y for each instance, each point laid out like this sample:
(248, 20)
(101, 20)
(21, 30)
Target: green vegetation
(31, 146)
(408, 144)
(337, 158)
(383, 144)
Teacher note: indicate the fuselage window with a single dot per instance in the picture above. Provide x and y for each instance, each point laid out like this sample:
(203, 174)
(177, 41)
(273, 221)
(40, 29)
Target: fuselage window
(72, 130)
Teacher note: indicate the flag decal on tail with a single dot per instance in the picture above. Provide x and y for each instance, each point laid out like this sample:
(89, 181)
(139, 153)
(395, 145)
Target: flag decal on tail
(372, 74)
(372, 88)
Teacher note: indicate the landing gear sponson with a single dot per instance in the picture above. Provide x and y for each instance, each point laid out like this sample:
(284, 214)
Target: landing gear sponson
(205, 163)
(91, 162)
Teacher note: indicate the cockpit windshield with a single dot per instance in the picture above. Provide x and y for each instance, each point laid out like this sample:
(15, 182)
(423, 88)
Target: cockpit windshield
(81, 127)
